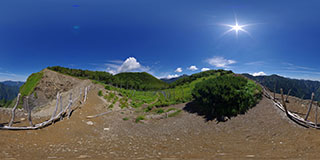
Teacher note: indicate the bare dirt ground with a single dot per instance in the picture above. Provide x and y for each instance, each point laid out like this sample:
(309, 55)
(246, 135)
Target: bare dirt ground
(264, 132)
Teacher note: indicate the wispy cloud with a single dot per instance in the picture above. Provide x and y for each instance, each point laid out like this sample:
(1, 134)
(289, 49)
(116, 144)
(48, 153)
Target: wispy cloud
(205, 69)
(291, 66)
(220, 62)
(256, 63)
(193, 68)
(259, 74)
(179, 70)
(4, 76)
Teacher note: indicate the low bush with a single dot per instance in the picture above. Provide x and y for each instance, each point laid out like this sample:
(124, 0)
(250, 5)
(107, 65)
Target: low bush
(226, 95)
(139, 118)
(100, 93)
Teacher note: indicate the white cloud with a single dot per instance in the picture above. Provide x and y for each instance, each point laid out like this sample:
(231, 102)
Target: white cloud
(179, 70)
(172, 76)
(129, 65)
(205, 69)
(220, 62)
(192, 68)
(259, 74)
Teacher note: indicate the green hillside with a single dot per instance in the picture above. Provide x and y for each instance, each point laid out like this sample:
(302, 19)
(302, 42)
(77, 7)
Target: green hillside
(132, 80)
(140, 81)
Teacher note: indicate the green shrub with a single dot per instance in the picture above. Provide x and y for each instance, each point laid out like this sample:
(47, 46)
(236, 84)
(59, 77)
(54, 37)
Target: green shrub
(148, 109)
(125, 118)
(100, 93)
(226, 95)
(107, 87)
(139, 118)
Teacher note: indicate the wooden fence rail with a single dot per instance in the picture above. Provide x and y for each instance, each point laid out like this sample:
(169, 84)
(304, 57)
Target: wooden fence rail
(66, 112)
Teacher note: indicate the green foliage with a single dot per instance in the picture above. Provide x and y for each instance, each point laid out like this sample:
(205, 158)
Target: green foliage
(227, 95)
(139, 118)
(32, 81)
(5, 103)
(125, 118)
(100, 93)
(110, 106)
(189, 79)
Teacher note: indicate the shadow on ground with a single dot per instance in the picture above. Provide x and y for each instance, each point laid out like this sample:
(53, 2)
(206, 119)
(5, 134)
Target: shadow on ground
(193, 107)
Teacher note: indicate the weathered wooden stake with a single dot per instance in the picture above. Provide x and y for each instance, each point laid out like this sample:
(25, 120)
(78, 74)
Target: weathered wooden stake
(69, 106)
(57, 105)
(283, 101)
(310, 106)
(316, 115)
(61, 110)
(288, 95)
(13, 114)
(29, 111)
(85, 94)
(274, 92)
(80, 95)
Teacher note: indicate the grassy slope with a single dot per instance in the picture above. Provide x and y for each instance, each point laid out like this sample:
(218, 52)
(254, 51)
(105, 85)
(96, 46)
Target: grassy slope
(142, 79)
(32, 81)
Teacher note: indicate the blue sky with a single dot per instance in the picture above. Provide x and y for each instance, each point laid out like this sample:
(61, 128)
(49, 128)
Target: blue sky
(160, 37)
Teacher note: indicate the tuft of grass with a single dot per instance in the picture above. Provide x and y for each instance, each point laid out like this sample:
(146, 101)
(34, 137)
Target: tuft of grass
(110, 106)
(174, 113)
(27, 88)
(159, 111)
(100, 93)
(139, 118)
(148, 109)
(125, 118)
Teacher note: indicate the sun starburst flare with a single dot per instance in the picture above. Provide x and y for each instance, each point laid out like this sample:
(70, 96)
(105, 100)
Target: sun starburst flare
(237, 28)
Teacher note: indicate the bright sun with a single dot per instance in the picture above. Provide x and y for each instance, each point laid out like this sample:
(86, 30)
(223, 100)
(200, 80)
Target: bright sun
(237, 28)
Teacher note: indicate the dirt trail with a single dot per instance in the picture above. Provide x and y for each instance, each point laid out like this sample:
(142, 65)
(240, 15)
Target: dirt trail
(263, 132)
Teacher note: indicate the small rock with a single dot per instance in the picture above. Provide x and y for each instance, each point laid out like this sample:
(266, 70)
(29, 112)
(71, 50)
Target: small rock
(22, 119)
(83, 156)
(106, 129)
(90, 123)
(250, 156)
(178, 139)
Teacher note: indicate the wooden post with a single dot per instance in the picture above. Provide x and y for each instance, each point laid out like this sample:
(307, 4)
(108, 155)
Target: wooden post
(274, 92)
(316, 115)
(57, 105)
(85, 94)
(61, 110)
(283, 101)
(310, 106)
(288, 95)
(69, 106)
(29, 111)
(13, 115)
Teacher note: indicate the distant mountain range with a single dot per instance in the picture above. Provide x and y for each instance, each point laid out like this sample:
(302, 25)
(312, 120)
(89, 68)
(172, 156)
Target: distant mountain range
(9, 89)
(299, 88)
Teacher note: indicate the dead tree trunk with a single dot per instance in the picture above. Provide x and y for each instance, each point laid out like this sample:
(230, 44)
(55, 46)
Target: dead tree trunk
(29, 111)
(57, 105)
(80, 95)
(13, 114)
(310, 106)
(288, 95)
